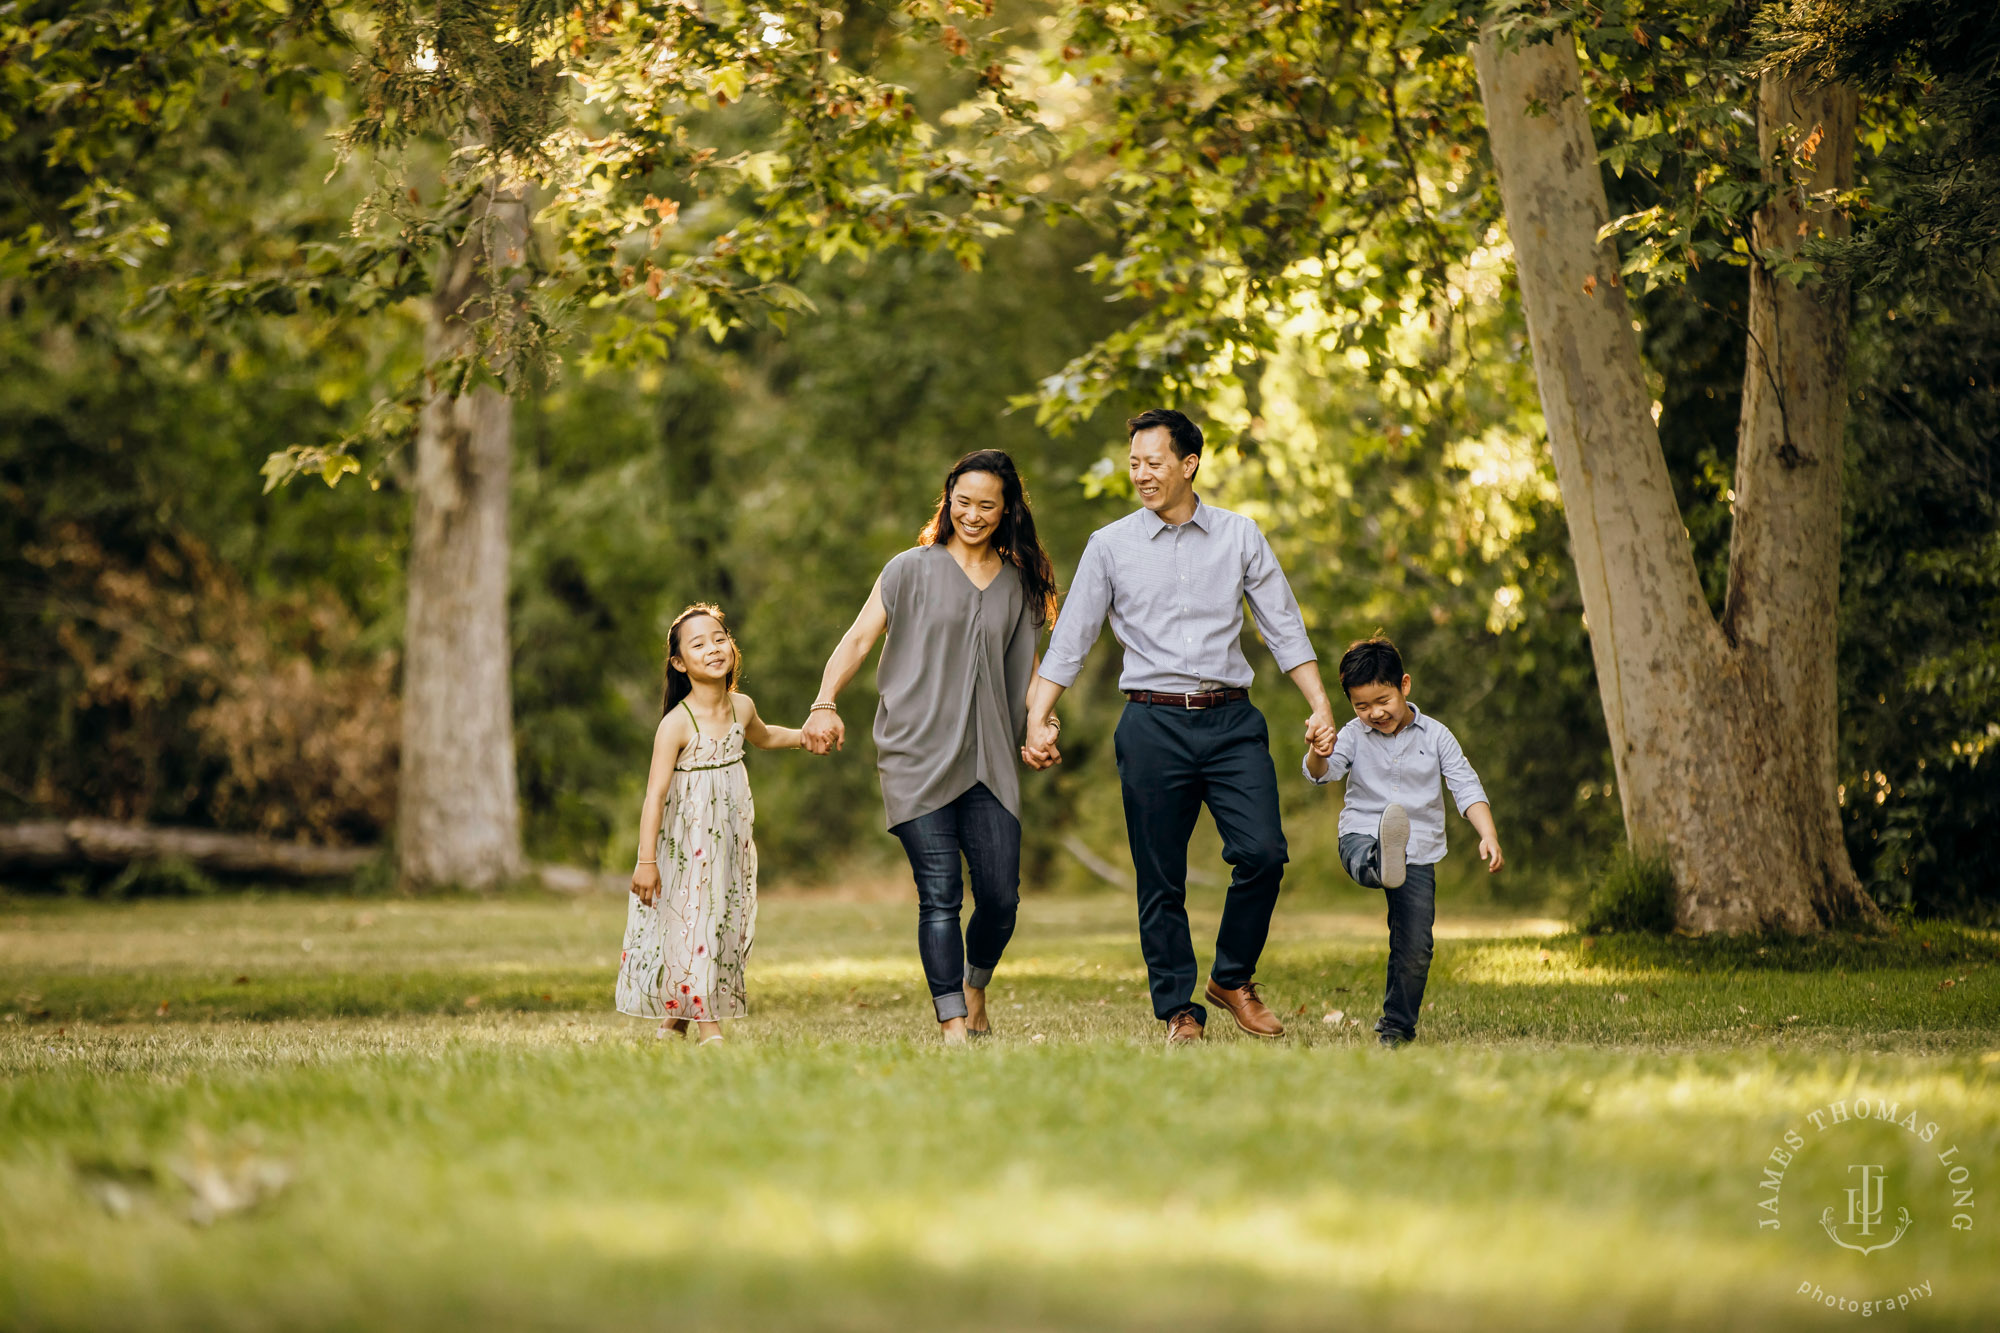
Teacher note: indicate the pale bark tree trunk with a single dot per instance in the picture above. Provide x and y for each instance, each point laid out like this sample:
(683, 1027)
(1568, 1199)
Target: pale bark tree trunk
(459, 819)
(1722, 734)
(1783, 608)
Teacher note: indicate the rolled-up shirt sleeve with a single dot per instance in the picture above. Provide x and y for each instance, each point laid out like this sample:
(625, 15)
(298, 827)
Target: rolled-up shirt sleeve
(1081, 619)
(1274, 608)
(1337, 763)
(1465, 786)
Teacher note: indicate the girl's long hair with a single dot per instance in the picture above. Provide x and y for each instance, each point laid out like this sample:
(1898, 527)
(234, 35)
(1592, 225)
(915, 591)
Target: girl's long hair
(677, 686)
(1014, 539)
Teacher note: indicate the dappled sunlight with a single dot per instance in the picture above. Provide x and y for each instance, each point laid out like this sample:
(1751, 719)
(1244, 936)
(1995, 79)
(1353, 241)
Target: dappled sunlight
(1644, 1096)
(1371, 926)
(1530, 965)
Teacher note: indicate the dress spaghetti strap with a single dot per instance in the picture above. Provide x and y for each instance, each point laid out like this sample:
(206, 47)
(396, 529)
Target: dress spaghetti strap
(690, 713)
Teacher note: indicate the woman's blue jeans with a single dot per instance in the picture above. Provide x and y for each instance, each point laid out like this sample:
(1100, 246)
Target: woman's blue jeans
(979, 828)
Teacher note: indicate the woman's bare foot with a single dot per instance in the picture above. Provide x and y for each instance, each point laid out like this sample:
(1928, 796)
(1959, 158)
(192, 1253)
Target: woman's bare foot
(975, 1010)
(672, 1027)
(710, 1032)
(954, 1031)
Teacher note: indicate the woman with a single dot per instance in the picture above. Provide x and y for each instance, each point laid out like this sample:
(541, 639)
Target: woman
(962, 611)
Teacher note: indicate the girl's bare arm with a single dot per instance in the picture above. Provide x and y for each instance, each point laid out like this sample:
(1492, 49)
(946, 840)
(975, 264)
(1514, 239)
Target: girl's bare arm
(668, 740)
(762, 736)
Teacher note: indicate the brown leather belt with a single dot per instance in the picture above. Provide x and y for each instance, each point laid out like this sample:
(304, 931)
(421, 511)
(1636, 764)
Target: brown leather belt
(1212, 699)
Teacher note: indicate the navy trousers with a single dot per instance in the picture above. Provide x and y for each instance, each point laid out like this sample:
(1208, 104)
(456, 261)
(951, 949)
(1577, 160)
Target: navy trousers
(1172, 761)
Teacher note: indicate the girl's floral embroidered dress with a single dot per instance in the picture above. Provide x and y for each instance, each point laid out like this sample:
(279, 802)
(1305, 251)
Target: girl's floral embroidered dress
(684, 957)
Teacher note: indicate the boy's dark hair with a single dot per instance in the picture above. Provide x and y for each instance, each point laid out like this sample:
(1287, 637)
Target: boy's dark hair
(1183, 434)
(1370, 662)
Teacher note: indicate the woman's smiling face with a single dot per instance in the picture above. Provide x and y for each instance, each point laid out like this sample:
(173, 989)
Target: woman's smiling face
(977, 501)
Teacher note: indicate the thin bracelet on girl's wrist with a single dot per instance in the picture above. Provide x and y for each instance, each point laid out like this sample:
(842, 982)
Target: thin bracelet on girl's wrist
(649, 863)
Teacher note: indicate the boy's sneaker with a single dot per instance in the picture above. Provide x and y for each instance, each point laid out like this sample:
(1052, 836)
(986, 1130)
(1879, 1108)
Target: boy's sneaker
(1391, 1041)
(1394, 839)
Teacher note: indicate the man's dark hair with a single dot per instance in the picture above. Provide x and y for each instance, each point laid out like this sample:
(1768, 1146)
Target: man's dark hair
(1370, 662)
(1183, 434)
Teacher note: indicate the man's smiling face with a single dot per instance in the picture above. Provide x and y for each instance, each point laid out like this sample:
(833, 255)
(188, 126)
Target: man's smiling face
(1162, 478)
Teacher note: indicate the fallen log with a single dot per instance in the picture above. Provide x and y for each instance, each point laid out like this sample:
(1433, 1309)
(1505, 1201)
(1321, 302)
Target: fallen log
(1116, 875)
(66, 844)
(57, 844)
(575, 879)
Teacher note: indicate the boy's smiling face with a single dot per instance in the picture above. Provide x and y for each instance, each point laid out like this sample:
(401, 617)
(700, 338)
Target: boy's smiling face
(1383, 706)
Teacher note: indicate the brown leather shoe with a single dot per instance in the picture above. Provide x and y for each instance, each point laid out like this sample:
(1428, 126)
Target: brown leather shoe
(1183, 1027)
(1247, 1009)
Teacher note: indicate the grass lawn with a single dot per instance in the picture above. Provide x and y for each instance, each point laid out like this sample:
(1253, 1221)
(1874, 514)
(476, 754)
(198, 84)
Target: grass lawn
(443, 1126)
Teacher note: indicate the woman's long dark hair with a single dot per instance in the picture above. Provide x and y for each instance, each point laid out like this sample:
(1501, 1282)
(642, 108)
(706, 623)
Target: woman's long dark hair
(1014, 539)
(677, 686)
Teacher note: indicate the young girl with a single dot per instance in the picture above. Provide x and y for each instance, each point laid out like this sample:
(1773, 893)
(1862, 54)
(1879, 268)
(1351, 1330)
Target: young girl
(694, 892)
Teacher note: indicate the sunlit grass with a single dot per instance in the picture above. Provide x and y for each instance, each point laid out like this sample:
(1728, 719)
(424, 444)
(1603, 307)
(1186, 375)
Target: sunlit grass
(1549, 1156)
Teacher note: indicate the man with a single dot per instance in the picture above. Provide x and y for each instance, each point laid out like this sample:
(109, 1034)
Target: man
(1173, 578)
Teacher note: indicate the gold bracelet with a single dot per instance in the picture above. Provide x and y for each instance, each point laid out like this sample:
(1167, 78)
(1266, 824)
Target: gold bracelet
(649, 863)
(830, 706)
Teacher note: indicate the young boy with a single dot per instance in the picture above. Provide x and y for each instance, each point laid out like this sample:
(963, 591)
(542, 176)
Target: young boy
(1392, 825)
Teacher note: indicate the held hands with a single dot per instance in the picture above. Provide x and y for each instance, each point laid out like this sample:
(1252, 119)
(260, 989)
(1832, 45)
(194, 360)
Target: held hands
(1321, 733)
(823, 732)
(646, 883)
(1040, 752)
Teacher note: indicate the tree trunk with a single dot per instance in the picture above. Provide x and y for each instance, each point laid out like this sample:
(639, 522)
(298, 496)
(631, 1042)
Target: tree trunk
(1783, 609)
(458, 820)
(1719, 767)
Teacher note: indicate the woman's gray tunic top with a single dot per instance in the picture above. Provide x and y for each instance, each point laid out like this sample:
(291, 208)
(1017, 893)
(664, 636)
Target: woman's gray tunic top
(953, 683)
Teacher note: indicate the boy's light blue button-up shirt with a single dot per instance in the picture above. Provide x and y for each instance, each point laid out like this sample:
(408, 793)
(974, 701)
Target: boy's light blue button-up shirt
(1404, 769)
(1175, 596)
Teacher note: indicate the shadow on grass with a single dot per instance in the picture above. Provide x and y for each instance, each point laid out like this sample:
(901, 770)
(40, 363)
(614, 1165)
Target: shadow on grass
(1930, 944)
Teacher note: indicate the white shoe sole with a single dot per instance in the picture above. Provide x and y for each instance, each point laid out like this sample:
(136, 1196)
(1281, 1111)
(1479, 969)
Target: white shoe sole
(1395, 841)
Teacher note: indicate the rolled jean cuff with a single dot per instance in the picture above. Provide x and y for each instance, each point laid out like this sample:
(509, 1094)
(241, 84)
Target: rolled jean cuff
(978, 978)
(949, 1005)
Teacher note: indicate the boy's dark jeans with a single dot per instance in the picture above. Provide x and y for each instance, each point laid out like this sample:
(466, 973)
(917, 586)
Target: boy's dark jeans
(1412, 913)
(977, 825)
(1170, 762)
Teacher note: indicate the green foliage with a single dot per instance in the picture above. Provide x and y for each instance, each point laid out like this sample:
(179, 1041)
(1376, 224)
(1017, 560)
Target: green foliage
(91, 92)
(1920, 679)
(170, 648)
(687, 164)
(1634, 892)
(1312, 159)
(1296, 227)
(1934, 63)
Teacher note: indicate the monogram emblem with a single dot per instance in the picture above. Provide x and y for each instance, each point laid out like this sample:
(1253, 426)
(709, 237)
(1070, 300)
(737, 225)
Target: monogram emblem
(1865, 1207)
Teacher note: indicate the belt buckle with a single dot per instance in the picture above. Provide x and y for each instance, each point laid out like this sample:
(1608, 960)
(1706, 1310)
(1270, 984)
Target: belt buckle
(1187, 702)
